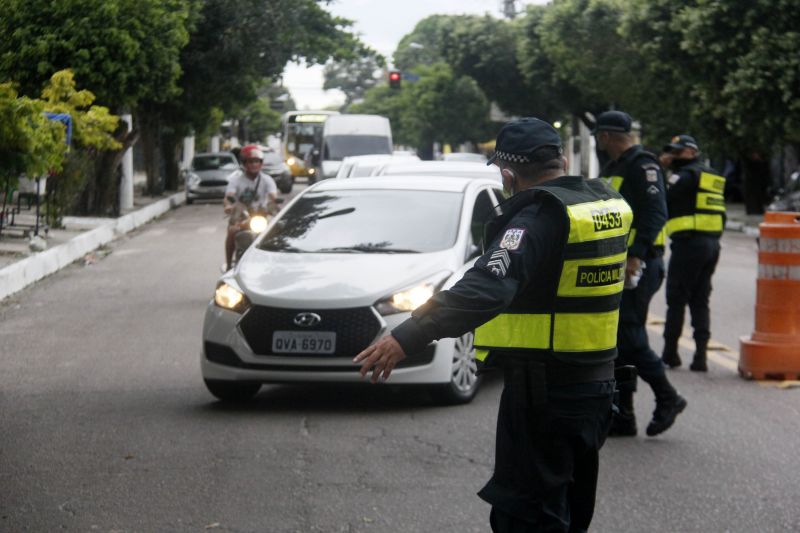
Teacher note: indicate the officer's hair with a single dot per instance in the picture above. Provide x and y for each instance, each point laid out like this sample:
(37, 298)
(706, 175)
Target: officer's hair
(543, 161)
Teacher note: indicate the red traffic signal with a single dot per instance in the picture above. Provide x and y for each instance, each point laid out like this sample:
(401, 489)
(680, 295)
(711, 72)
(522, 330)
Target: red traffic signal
(394, 79)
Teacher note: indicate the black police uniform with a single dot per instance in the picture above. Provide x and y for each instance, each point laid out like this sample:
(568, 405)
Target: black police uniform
(544, 302)
(637, 176)
(696, 204)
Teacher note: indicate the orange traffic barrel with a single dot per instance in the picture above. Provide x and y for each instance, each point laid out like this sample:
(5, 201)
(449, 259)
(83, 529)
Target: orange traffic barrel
(773, 349)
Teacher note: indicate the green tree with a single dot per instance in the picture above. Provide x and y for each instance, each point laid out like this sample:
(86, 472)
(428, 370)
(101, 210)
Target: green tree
(126, 52)
(440, 106)
(482, 47)
(354, 77)
(29, 142)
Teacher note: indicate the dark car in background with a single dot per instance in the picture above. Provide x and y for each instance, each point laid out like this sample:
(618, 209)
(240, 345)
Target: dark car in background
(206, 179)
(275, 166)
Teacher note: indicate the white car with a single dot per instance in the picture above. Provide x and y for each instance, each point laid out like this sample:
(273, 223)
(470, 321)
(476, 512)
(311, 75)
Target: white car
(465, 169)
(360, 166)
(465, 157)
(341, 265)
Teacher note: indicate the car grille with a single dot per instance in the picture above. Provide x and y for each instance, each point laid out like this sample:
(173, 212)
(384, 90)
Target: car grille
(355, 328)
(213, 183)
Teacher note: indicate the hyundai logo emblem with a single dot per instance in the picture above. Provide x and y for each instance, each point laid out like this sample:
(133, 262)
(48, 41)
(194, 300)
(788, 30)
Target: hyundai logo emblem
(306, 320)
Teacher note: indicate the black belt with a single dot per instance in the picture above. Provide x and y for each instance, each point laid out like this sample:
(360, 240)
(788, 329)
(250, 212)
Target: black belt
(560, 373)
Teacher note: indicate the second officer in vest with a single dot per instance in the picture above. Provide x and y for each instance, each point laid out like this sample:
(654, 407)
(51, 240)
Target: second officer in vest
(696, 205)
(544, 303)
(636, 174)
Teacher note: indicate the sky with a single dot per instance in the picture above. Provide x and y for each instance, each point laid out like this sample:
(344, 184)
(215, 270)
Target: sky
(380, 24)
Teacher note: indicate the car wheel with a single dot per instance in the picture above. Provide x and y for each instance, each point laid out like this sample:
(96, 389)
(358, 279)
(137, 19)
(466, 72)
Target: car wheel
(189, 201)
(285, 188)
(464, 381)
(232, 391)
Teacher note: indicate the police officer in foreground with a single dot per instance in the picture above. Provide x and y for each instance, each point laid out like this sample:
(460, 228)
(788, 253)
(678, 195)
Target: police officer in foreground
(544, 303)
(636, 174)
(696, 205)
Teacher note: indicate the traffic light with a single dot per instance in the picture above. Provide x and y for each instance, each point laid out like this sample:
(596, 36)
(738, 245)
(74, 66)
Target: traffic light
(394, 79)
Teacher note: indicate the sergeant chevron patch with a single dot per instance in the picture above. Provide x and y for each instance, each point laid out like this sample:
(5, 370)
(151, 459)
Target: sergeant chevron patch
(498, 263)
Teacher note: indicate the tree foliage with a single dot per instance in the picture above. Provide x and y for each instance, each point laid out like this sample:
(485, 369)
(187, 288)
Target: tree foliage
(440, 106)
(355, 76)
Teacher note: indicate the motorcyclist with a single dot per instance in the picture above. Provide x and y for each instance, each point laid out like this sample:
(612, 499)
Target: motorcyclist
(249, 187)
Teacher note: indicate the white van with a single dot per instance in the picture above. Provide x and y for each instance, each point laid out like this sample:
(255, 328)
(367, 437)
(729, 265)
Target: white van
(349, 135)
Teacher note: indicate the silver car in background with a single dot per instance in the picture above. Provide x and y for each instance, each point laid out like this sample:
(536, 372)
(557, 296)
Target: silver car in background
(206, 178)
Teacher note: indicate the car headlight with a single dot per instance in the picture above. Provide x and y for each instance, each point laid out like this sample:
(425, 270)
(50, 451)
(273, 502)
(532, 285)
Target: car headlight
(291, 161)
(258, 223)
(312, 171)
(231, 298)
(193, 179)
(411, 298)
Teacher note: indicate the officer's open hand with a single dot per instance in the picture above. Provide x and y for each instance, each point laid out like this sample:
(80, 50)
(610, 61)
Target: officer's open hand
(381, 357)
(632, 266)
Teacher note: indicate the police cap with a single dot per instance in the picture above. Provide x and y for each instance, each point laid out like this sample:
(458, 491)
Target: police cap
(613, 121)
(679, 142)
(519, 139)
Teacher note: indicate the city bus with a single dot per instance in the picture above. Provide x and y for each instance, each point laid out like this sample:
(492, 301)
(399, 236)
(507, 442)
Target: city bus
(301, 132)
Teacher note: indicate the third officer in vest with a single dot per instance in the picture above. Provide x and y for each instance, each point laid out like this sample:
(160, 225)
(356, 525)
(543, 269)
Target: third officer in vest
(636, 174)
(544, 303)
(696, 208)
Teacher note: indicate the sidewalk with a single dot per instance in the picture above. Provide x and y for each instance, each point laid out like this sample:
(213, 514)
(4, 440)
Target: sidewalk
(20, 266)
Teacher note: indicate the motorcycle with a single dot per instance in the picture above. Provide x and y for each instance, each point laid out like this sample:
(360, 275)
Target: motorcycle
(250, 223)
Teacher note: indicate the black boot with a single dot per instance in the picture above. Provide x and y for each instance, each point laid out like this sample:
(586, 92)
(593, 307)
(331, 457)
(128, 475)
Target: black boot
(623, 422)
(669, 404)
(699, 361)
(671, 359)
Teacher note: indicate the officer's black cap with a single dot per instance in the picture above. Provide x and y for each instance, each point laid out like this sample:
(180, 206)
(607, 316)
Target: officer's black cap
(679, 142)
(613, 121)
(519, 139)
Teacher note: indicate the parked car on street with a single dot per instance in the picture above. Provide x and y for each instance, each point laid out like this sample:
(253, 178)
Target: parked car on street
(337, 269)
(464, 169)
(206, 178)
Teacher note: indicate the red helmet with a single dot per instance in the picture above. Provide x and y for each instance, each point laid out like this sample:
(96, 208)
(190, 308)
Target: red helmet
(251, 151)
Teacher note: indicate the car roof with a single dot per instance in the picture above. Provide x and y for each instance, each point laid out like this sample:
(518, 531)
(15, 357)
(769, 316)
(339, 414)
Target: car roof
(215, 154)
(404, 182)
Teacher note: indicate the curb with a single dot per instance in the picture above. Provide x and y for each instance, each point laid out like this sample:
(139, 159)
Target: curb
(17, 276)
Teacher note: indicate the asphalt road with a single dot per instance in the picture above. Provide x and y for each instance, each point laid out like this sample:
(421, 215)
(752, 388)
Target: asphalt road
(105, 424)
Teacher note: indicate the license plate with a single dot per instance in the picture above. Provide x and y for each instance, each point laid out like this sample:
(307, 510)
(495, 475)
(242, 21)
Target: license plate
(323, 342)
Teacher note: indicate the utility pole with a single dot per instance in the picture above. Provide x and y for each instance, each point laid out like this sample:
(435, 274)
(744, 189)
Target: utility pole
(508, 8)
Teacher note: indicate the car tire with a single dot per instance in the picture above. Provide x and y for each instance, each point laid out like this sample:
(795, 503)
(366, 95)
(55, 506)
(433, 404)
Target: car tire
(465, 382)
(285, 188)
(189, 201)
(232, 391)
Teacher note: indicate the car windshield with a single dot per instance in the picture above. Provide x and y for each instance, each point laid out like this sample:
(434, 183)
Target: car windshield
(337, 147)
(367, 221)
(214, 162)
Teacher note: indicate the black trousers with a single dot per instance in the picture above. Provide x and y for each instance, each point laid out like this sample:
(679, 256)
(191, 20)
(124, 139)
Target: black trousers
(546, 458)
(633, 346)
(691, 266)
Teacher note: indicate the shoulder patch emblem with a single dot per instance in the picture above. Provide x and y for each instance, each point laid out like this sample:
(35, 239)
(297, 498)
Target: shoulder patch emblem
(652, 175)
(498, 263)
(652, 190)
(512, 238)
(673, 178)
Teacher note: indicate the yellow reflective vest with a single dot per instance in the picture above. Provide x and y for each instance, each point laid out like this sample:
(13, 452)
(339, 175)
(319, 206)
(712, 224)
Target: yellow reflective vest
(578, 324)
(700, 208)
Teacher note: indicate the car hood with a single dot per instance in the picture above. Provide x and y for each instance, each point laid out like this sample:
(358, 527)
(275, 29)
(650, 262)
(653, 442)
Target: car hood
(213, 174)
(299, 280)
